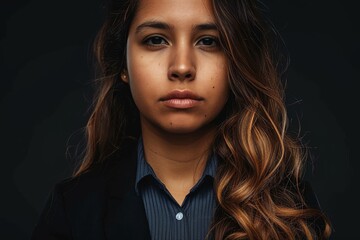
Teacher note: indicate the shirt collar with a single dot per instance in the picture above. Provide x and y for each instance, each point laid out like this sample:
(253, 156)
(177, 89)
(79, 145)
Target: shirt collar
(143, 169)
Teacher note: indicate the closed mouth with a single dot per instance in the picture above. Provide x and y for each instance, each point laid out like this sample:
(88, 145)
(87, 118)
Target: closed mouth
(181, 94)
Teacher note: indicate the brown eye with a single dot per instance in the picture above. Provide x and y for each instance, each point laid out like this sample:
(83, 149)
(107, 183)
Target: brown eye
(208, 41)
(155, 40)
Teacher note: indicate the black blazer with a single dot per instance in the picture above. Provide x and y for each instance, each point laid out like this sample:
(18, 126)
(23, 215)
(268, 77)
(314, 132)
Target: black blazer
(101, 204)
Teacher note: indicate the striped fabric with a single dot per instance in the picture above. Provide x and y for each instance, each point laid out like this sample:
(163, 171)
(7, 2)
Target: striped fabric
(167, 219)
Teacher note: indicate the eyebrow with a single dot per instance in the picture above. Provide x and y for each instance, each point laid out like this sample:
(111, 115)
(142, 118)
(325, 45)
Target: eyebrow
(205, 26)
(153, 24)
(165, 26)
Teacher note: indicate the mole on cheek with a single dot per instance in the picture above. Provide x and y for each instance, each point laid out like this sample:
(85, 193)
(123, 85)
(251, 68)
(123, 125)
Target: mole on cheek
(205, 115)
(170, 123)
(213, 86)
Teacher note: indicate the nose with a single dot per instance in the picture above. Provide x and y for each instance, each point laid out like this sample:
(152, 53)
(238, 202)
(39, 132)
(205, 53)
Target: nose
(182, 67)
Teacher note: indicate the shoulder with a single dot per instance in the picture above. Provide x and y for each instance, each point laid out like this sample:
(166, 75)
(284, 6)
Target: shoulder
(79, 190)
(91, 189)
(116, 174)
(78, 203)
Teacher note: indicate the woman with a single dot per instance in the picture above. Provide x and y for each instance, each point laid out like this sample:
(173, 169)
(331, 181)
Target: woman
(187, 138)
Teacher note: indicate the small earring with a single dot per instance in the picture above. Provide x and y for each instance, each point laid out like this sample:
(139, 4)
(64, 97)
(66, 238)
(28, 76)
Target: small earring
(123, 76)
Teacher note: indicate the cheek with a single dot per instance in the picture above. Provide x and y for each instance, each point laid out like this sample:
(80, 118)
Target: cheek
(144, 69)
(138, 75)
(141, 90)
(220, 92)
(220, 84)
(145, 83)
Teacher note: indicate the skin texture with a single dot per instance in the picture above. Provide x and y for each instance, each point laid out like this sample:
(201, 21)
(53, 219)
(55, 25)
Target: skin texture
(176, 59)
(172, 45)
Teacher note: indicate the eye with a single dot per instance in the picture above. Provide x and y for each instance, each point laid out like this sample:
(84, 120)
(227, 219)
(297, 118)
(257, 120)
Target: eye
(208, 42)
(155, 41)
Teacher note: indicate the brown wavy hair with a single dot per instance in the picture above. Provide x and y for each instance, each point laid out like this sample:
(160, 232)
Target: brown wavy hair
(258, 181)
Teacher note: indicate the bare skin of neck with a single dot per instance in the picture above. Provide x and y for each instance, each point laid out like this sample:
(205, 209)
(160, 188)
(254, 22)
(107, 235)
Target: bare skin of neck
(178, 160)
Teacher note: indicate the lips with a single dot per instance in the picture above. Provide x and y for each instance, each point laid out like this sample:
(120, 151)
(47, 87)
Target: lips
(181, 99)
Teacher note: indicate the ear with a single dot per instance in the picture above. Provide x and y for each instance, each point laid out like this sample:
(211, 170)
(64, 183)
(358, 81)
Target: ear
(124, 76)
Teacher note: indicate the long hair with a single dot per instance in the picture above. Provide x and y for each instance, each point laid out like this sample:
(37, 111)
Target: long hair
(258, 179)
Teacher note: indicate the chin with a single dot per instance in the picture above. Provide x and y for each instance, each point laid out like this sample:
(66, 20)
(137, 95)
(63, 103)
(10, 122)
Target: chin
(181, 127)
(181, 124)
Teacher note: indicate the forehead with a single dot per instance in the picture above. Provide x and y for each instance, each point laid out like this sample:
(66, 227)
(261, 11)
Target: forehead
(176, 12)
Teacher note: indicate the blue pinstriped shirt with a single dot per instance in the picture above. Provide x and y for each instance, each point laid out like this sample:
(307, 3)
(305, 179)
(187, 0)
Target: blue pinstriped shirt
(167, 219)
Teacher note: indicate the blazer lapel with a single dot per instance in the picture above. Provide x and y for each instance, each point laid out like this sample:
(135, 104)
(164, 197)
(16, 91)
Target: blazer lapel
(125, 217)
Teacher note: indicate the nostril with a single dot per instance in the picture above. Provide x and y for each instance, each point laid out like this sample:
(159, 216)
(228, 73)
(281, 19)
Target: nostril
(181, 75)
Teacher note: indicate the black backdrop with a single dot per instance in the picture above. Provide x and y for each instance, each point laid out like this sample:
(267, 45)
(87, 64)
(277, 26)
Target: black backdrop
(45, 91)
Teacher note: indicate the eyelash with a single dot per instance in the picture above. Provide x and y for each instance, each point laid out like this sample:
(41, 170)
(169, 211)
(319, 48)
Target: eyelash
(148, 39)
(147, 42)
(213, 39)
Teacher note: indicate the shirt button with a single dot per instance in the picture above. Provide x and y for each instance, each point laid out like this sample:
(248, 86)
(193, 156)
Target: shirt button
(179, 216)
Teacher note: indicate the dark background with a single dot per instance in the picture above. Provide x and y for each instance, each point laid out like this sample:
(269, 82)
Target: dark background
(45, 91)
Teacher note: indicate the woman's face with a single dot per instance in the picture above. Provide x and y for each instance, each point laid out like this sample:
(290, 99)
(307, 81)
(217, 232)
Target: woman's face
(175, 67)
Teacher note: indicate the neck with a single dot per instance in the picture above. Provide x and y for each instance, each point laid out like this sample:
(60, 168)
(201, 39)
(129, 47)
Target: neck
(177, 158)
